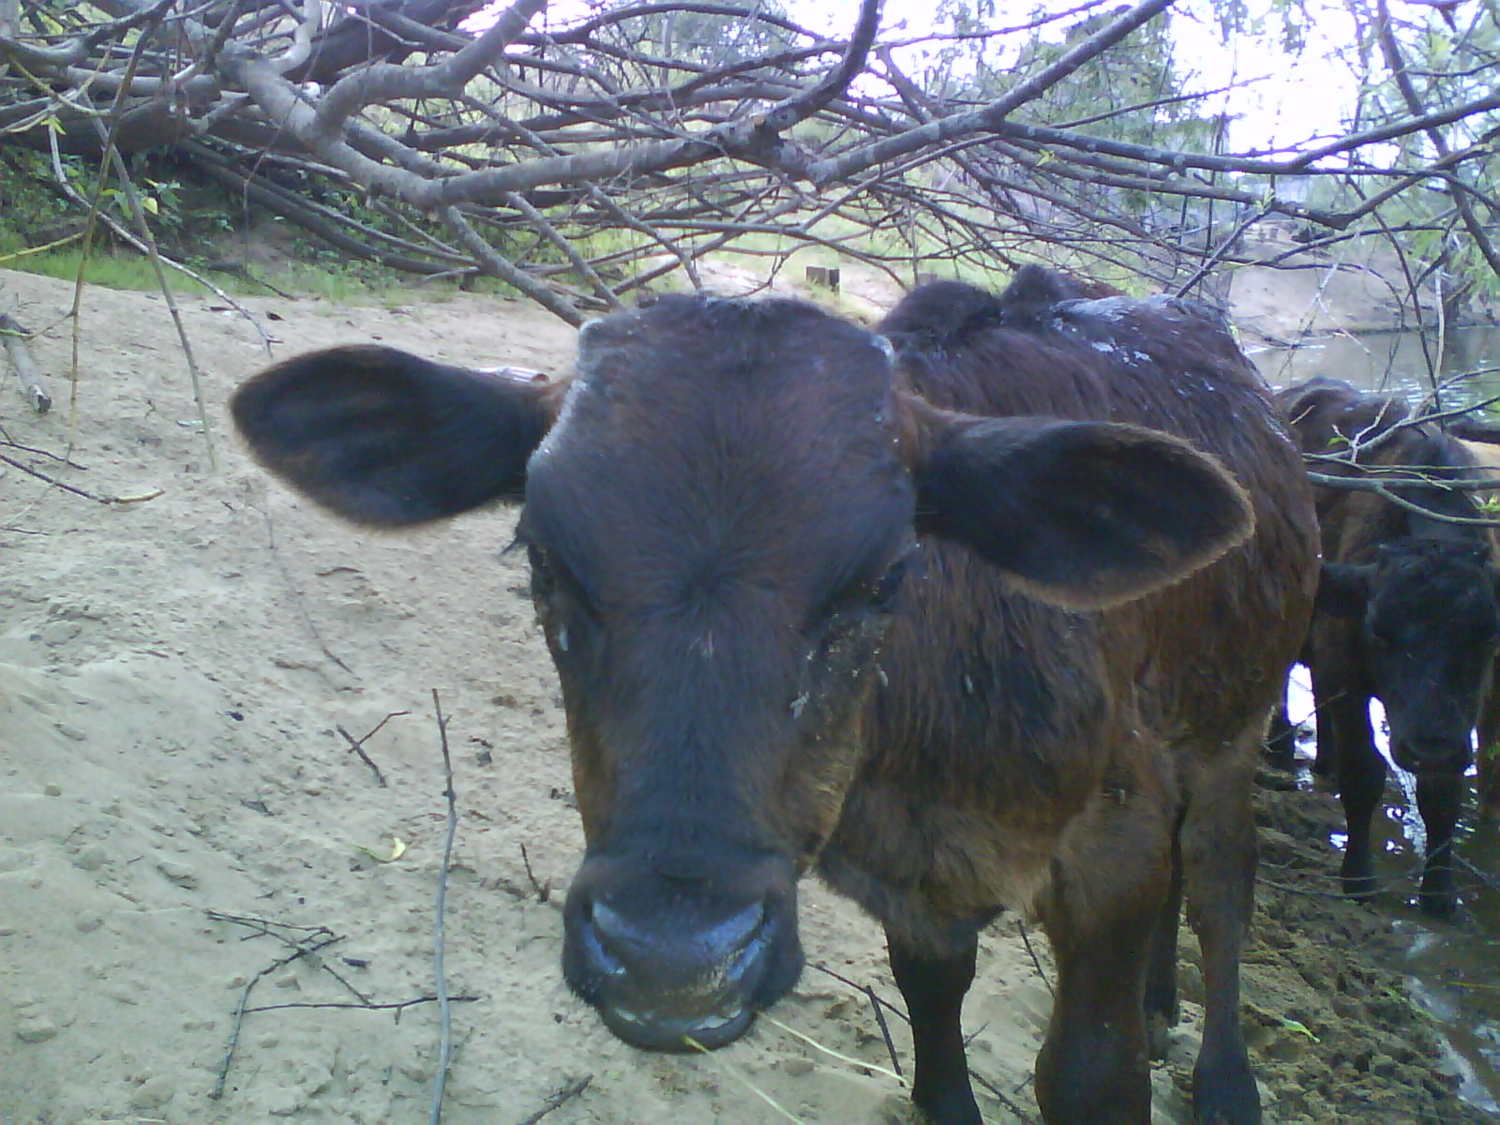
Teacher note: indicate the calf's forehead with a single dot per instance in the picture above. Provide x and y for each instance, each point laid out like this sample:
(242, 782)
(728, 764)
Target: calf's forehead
(722, 427)
(1435, 587)
(693, 351)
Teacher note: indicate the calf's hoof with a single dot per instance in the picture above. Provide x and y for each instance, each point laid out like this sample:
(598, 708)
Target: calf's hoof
(1439, 898)
(1359, 881)
(1225, 1093)
(948, 1107)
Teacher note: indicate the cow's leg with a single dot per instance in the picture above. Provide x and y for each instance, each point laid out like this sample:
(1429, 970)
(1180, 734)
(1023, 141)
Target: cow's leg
(1162, 1008)
(1111, 880)
(1439, 800)
(1361, 775)
(934, 988)
(1218, 847)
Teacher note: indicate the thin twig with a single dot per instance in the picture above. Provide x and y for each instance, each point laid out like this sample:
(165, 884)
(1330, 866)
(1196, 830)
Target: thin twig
(240, 1008)
(370, 1007)
(138, 210)
(880, 1000)
(561, 1097)
(1005, 1099)
(543, 891)
(1035, 960)
(358, 744)
(8, 443)
(264, 928)
(885, 1030)
(297, 596)
(152, 495)
(445, 1016)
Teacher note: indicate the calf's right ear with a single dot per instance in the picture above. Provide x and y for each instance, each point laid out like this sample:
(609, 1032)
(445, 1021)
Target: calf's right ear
(387, 439)
(1080, 514)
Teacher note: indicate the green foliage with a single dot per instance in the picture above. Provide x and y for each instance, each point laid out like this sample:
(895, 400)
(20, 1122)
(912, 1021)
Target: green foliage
(111, 269)
(707, 38)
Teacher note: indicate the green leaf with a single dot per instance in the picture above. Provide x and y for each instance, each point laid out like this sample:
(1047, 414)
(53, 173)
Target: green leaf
(1299, 1027)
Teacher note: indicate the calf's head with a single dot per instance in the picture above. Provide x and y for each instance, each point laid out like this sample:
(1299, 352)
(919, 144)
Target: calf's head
(1429, 625)
(723, 508)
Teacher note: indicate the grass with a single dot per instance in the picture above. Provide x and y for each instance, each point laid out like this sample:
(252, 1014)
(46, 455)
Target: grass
(114, 271)
(314, 271)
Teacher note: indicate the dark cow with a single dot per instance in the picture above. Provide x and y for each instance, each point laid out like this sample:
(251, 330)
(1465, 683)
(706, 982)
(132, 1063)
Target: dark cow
(898, 608)
(1406, 613)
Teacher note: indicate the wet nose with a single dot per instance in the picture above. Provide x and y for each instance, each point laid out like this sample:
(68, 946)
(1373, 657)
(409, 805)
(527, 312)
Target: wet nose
(665, 965)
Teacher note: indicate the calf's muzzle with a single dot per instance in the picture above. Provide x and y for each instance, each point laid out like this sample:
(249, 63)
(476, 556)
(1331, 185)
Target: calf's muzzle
(667, 957)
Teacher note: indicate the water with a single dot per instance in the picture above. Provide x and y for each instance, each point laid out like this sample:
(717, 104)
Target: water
(1451, 969)
(1392, 361)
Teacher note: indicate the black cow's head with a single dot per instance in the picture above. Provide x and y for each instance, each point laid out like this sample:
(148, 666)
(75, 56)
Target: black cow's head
(720, 515)
(1429, 628)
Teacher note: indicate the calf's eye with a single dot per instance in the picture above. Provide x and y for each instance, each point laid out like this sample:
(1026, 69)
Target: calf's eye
(883, 592)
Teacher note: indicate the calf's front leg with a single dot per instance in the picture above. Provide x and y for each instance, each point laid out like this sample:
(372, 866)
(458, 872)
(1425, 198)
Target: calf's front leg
(934, 987)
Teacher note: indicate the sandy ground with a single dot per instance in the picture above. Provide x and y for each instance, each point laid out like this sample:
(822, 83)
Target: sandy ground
(184, 828)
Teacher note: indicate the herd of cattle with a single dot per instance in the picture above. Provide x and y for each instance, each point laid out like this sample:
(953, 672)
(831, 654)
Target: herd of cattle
(985, 609)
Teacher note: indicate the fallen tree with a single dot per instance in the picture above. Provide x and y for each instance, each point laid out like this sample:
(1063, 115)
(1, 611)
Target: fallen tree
(578, 161)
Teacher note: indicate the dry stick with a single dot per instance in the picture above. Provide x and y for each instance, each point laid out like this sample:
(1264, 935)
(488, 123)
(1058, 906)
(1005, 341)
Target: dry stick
(139, 212)
(1004, 1099)
(297, 596)
(881, 1001)
(264, 928)
(885, 1030)
(1035, 961)
(239, 1010)
(32, 385)
(878, 1003)
(6, 441)
(370, 1007)
(152, 495)
(445, 1016)
(567, 1093)
(358, 744)
(543, 891)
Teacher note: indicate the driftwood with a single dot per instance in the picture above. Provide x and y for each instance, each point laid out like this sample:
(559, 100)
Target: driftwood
(33, 386)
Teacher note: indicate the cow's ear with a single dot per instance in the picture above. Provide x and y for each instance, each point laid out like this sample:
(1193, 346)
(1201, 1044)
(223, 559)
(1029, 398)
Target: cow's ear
(1081, 514)
(1343, 589)
(384, 438)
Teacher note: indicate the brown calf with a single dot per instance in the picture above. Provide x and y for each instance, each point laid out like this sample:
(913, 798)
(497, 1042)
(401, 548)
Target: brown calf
(909, 610)
(1407, 614)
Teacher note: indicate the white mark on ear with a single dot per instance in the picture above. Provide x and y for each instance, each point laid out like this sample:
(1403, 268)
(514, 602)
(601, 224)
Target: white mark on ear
(562, 638)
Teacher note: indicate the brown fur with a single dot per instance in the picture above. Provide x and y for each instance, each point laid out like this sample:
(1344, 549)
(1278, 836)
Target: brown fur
(1402, 616)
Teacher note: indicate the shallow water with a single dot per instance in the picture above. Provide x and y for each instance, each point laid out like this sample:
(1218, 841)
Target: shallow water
(1393, 361)
(1452, 969)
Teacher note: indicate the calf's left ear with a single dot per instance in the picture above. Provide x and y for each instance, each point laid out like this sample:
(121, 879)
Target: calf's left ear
(1080, 514)
(385, 438)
